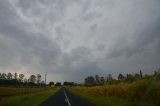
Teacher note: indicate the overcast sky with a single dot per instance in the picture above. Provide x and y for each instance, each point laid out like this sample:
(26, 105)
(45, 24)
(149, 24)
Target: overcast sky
(71, 39)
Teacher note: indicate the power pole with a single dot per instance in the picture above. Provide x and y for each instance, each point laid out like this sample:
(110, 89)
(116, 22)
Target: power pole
(45, 78)
(140, 73)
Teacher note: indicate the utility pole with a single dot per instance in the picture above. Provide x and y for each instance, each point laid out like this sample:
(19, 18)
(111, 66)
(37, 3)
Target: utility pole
(140, 73)
(45, 78)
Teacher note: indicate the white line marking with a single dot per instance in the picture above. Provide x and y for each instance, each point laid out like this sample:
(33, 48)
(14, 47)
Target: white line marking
(66, 99)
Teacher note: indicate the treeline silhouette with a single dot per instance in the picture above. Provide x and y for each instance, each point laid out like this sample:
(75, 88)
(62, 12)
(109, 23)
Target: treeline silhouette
(128, 78)
(20, 80)
(100, 80)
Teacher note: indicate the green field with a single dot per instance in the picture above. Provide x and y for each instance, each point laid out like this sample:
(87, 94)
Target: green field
(24, 96)
(142, 92)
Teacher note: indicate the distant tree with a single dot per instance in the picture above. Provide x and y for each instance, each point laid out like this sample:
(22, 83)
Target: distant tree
(25, 80)
(129, 75)
(136, 75)
(69, 83)
(155, 73)
(140, 73)
(9, 76)
(39, 78)
(130, 78)
(89, 80)
(120, 76)
(102, 79)
(33, 79)
(58, 84)
(15, 76)
(4, 76)
(51, 83)
(21, 76)
(109, 77)
(97, 78)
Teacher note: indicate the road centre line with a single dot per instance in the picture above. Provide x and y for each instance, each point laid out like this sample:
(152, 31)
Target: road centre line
(66, 98)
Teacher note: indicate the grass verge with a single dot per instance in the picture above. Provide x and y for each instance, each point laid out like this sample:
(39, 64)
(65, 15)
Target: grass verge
(29, 99)
(145, 92)
(101, 100)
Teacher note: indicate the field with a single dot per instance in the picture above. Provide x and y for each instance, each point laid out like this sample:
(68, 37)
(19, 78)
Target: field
(24, 96)
(142, 92)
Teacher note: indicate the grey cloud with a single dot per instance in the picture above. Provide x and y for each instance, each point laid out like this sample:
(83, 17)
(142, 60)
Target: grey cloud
(142, 41)
(71, 39)
(21, 45)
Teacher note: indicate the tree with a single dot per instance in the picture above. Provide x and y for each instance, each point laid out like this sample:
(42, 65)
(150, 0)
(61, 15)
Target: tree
(51, 84)
(129, 78)
(89, 79)
(102, 79)
(140, 73)
(97, 78)
(136, 75)
(9, 76)
(3, 76)
(21, 76)
(120, 76)
(69, 83)
(33, 79)
(39, 78)
(25, 80)
(109, 77)
(15, 76)
(129, 75)
(58, 84)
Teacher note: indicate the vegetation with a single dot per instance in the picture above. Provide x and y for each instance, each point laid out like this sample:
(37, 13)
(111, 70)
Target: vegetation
(19, 80)
(58, 84)
(129, 90)
(51, 84)
(17, 90)
(13, 91)
(125, 90)
(69, 83)
(24, 96)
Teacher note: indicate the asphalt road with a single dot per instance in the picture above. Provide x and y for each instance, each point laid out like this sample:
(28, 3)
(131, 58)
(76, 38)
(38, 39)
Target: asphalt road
(65, 98)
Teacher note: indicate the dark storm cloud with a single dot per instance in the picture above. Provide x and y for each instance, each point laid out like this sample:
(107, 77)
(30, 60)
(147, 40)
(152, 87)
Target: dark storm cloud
(70, 40)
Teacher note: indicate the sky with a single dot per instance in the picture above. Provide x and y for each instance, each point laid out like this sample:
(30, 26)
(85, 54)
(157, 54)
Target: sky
(72, 39)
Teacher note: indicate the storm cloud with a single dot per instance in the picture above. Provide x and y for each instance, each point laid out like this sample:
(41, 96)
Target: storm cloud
(71, 39)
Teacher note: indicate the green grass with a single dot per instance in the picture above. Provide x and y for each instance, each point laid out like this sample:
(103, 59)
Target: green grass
(143, 92)
(29, 99)
(101, 100)
(15, 91)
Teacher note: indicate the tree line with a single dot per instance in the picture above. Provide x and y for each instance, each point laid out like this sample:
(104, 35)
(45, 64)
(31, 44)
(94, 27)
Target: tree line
(100, 80)
(15, 79)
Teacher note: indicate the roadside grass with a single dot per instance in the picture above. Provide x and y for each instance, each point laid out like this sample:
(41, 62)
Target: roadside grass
(31, 99)
(144, 92)
(101, 100)
(14, 91)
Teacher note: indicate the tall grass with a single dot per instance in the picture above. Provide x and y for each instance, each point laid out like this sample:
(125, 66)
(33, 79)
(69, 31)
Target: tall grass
(12, 91)
(34, 96)
(144, 92)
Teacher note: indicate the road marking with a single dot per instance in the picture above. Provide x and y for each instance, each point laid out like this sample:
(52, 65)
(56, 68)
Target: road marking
(66, 99)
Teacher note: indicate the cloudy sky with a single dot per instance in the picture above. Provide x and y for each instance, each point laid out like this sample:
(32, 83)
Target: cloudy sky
(71, 39)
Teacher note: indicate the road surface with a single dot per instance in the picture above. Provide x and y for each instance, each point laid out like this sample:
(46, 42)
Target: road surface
(65, 98)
